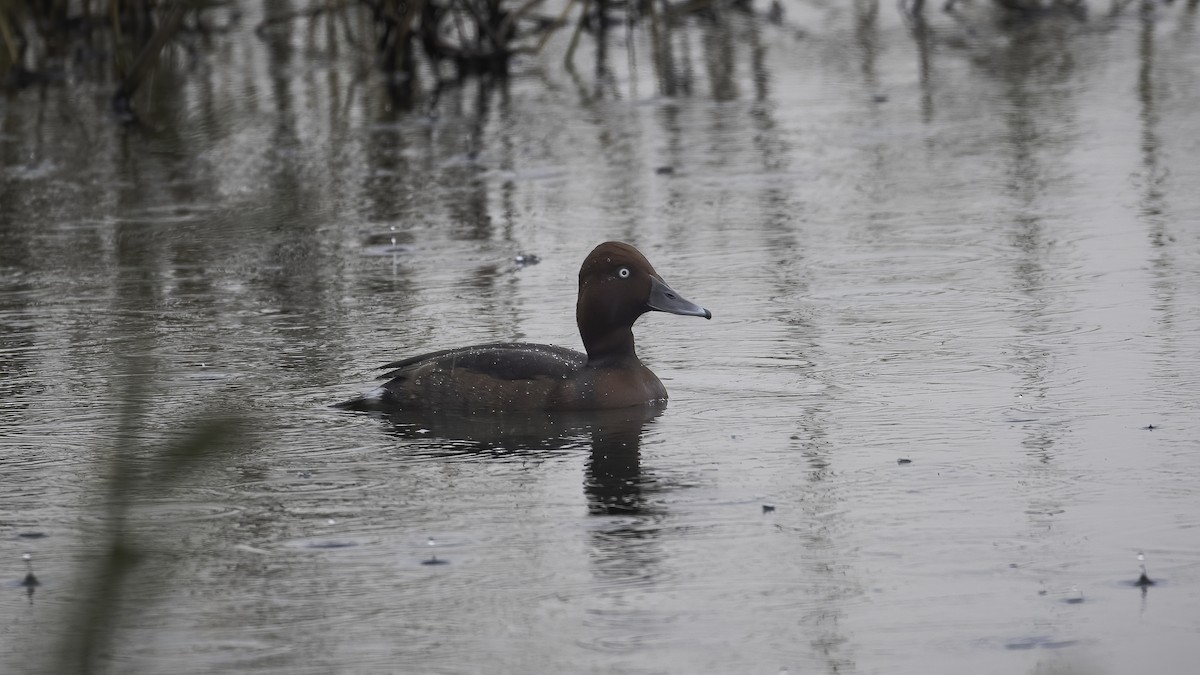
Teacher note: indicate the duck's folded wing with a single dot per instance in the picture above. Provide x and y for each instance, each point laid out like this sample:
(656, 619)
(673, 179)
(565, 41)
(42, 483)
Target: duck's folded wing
(499, 360)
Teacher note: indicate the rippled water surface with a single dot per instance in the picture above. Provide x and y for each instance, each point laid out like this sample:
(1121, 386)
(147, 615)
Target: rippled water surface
(974, 247)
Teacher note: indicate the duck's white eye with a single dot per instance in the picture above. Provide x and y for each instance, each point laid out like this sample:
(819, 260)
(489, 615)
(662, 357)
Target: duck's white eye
(624, 272)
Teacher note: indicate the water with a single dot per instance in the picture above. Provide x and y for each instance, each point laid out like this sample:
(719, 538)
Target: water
(977, 253)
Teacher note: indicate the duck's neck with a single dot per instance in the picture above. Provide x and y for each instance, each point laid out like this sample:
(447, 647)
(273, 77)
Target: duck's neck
(614, 346)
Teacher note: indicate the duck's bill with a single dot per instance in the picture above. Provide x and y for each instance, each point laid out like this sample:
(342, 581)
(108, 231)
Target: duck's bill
(663, 298)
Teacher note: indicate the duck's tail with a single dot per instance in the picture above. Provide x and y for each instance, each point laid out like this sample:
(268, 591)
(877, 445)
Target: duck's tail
(377, 400)
(361, 404)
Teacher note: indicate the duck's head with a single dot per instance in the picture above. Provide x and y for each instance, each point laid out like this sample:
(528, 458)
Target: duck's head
(616, 286)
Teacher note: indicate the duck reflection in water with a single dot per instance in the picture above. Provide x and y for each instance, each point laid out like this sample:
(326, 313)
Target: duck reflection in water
(613, 484)
(625, 546)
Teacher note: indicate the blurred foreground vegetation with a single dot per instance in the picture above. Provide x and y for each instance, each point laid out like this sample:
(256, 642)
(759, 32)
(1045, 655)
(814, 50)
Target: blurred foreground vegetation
(103, 585)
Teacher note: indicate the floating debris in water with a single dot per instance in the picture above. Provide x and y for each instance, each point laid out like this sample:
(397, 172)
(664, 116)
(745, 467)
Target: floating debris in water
(665, 171)
(1075, 598)
(30, 581)
(332, 544)
(904, 460)
(433, 559)
(1144, 579)
(526, 259)
(879, 98)
(768, 508)
(386, 243)
(1039, 641)
(31, 535)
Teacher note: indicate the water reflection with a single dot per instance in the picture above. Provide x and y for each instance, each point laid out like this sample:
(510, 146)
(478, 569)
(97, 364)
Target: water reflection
(1153, 207)
(866, 28)
(17, 345)
(1026, 70)
(612, 436)
(614, 482)
(826, 557)
(625, 550)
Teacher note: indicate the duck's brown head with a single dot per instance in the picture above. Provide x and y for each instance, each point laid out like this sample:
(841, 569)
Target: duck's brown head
(616, 286)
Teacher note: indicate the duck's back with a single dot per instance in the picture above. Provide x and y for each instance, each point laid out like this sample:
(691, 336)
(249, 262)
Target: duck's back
(490, 377)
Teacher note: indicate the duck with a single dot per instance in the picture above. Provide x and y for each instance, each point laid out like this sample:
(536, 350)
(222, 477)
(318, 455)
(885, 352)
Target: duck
(617, 285)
